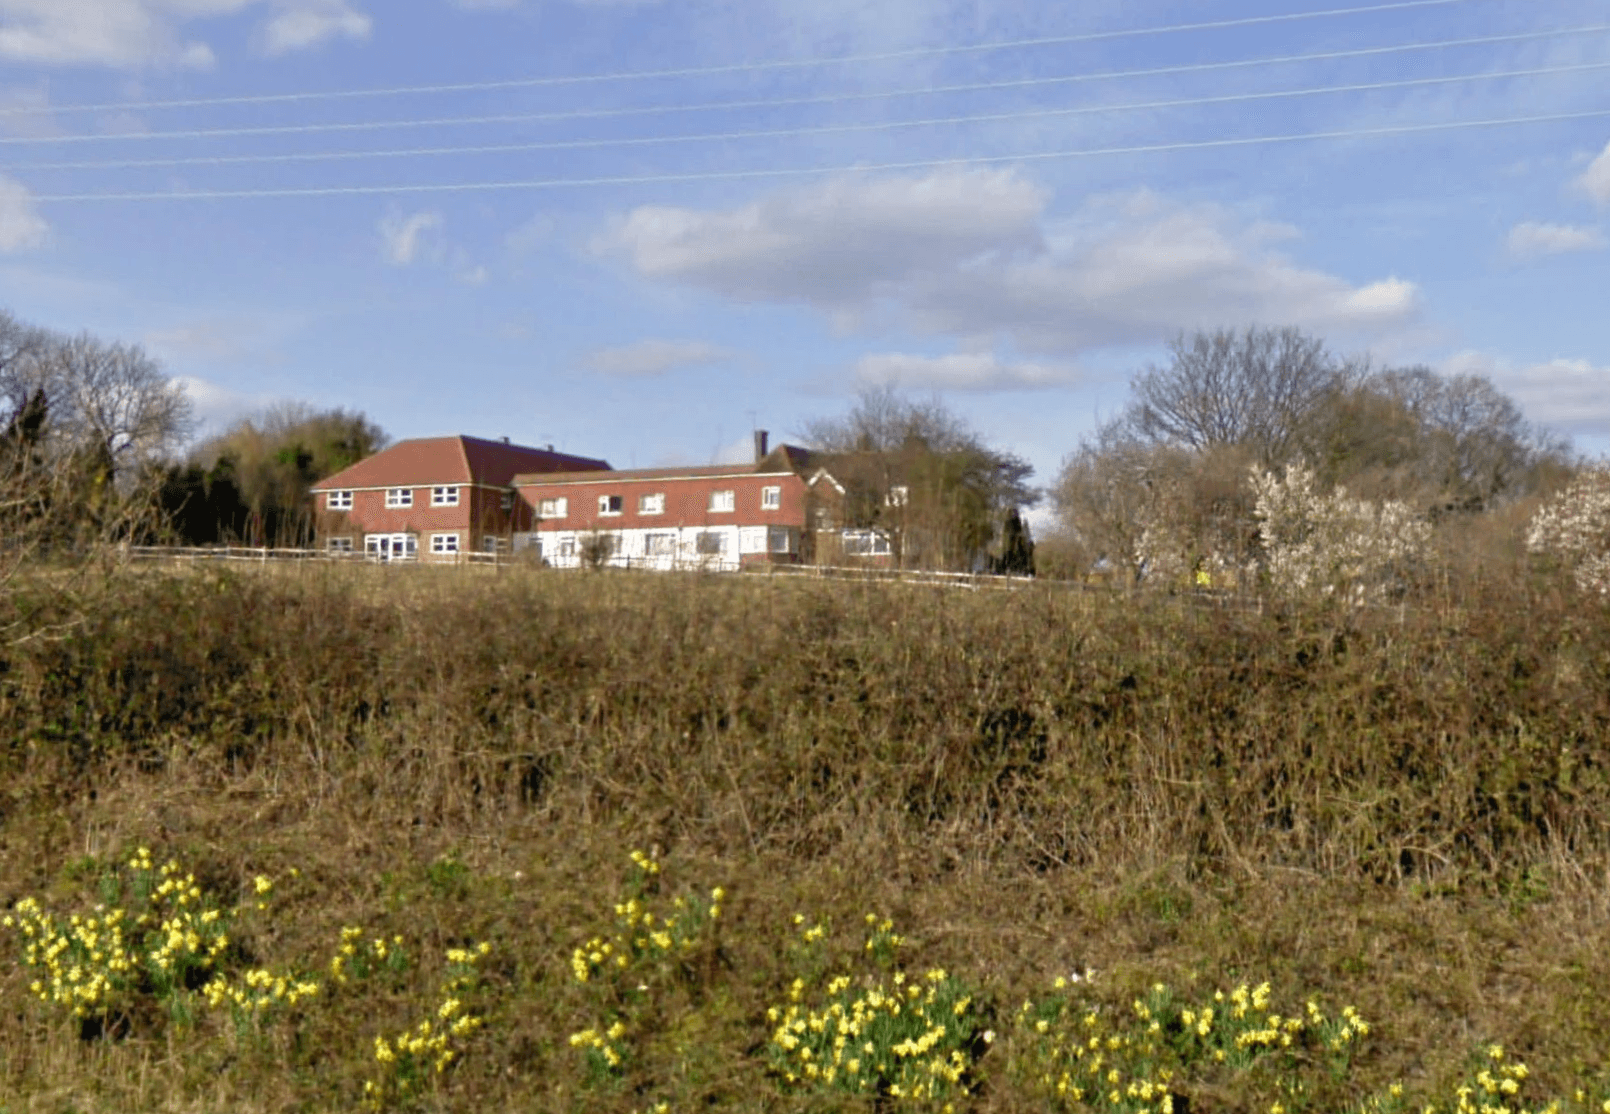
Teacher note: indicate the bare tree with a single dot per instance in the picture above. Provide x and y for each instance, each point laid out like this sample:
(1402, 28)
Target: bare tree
(1256, 389)
(82, 418)
(114, 401)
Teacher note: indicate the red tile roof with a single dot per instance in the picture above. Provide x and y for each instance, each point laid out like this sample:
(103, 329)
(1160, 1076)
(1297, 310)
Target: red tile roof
(428, 461)
(784, 458)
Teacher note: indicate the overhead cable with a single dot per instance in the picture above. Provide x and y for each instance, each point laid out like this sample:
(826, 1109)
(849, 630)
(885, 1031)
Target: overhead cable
(791, 133)
(1014, 83)
(736, 67)
(812, 171)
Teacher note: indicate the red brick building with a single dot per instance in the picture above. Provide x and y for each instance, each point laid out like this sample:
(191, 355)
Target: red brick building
(718, 517)
(434, 498)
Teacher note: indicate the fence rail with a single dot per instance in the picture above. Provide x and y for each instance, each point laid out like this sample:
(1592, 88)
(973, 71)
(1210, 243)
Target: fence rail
(281, 555)
(266, 555)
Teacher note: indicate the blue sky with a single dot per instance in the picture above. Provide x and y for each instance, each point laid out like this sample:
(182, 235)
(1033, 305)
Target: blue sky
(973, 230)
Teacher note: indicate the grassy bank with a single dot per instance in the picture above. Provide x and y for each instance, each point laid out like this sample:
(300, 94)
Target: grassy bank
(1403, 812)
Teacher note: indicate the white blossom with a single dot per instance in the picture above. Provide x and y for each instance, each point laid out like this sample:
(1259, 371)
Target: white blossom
(1574, 526)
(1333, 543)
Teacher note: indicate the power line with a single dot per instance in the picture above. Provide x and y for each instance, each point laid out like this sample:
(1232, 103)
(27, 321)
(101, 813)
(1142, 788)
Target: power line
(800, 172)
(739, 67)
(789, 133)
(1014, 83)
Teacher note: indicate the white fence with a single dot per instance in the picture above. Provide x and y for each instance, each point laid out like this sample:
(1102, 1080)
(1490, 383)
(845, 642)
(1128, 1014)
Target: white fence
(264, 555)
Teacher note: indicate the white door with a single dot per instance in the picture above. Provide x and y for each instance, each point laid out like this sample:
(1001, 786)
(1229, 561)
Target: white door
(390, 547)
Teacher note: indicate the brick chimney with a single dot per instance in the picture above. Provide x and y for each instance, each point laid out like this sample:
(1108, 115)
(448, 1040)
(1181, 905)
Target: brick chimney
(760, 445)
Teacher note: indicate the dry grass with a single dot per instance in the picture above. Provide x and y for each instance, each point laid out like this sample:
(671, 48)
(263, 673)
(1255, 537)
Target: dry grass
(1406, 811)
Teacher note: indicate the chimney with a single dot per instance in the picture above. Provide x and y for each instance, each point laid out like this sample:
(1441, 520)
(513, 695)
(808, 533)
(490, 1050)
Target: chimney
(550, 446)
(505, 439)
(760, 445)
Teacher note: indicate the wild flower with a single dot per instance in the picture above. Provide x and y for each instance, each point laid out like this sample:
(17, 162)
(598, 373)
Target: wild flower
(1574, 528)
(899, 1034)
(1332, 544)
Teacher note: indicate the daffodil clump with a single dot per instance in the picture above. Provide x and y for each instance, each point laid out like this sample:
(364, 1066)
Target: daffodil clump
(155, 932)
(1496, 1084)
(624, 973)
(357, 958)
(890, 1033)
(1078, 1052)
(410, 1059)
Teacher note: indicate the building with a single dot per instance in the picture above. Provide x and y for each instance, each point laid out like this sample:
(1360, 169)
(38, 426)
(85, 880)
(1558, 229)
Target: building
(715, 517)
(434, 498)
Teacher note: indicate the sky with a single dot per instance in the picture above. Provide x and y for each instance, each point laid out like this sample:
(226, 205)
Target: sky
(639, 229)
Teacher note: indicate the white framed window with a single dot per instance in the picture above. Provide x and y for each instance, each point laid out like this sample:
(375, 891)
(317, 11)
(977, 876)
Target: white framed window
(338, 545)
(710, 543)
(780, 539)
(397, 497)
(865, 543)
(751, 539)
(771, 498)
(721, 501)
(609, 504)
(338, 501)
(389, 547)
(444, 496)
(659, 543)
(651, 504)
(444, 543)
(899, 495)
(553, 508)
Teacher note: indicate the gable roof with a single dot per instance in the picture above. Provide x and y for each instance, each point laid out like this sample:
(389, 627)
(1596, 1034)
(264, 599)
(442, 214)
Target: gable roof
(780, 461)
(429, 461)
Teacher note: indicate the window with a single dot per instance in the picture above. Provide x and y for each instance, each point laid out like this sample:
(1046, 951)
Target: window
(491, 543)
(651, 504)
(553, 508)
(337, 545)
(506, 502)
(444, 543)
(865, 543)
(389, 547)
(659, 543)
(609, 504)
(721, 501)
(338, 501)
(399, 497)
(751, 539)
(771, 498)
(710, 543)
(781, 539)
(444, 496)
(899, 495)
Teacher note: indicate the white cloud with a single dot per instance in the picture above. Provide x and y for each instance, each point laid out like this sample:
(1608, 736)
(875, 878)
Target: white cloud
(970, 254)
(217, 407)
(121, 33)
(1531, 239)
(302, 24)
(404, 238)
(1595, 180)
(1568, 394)
(653, 357)
(131, 34)
(21, 226)
(839, 244)
(960, 371)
